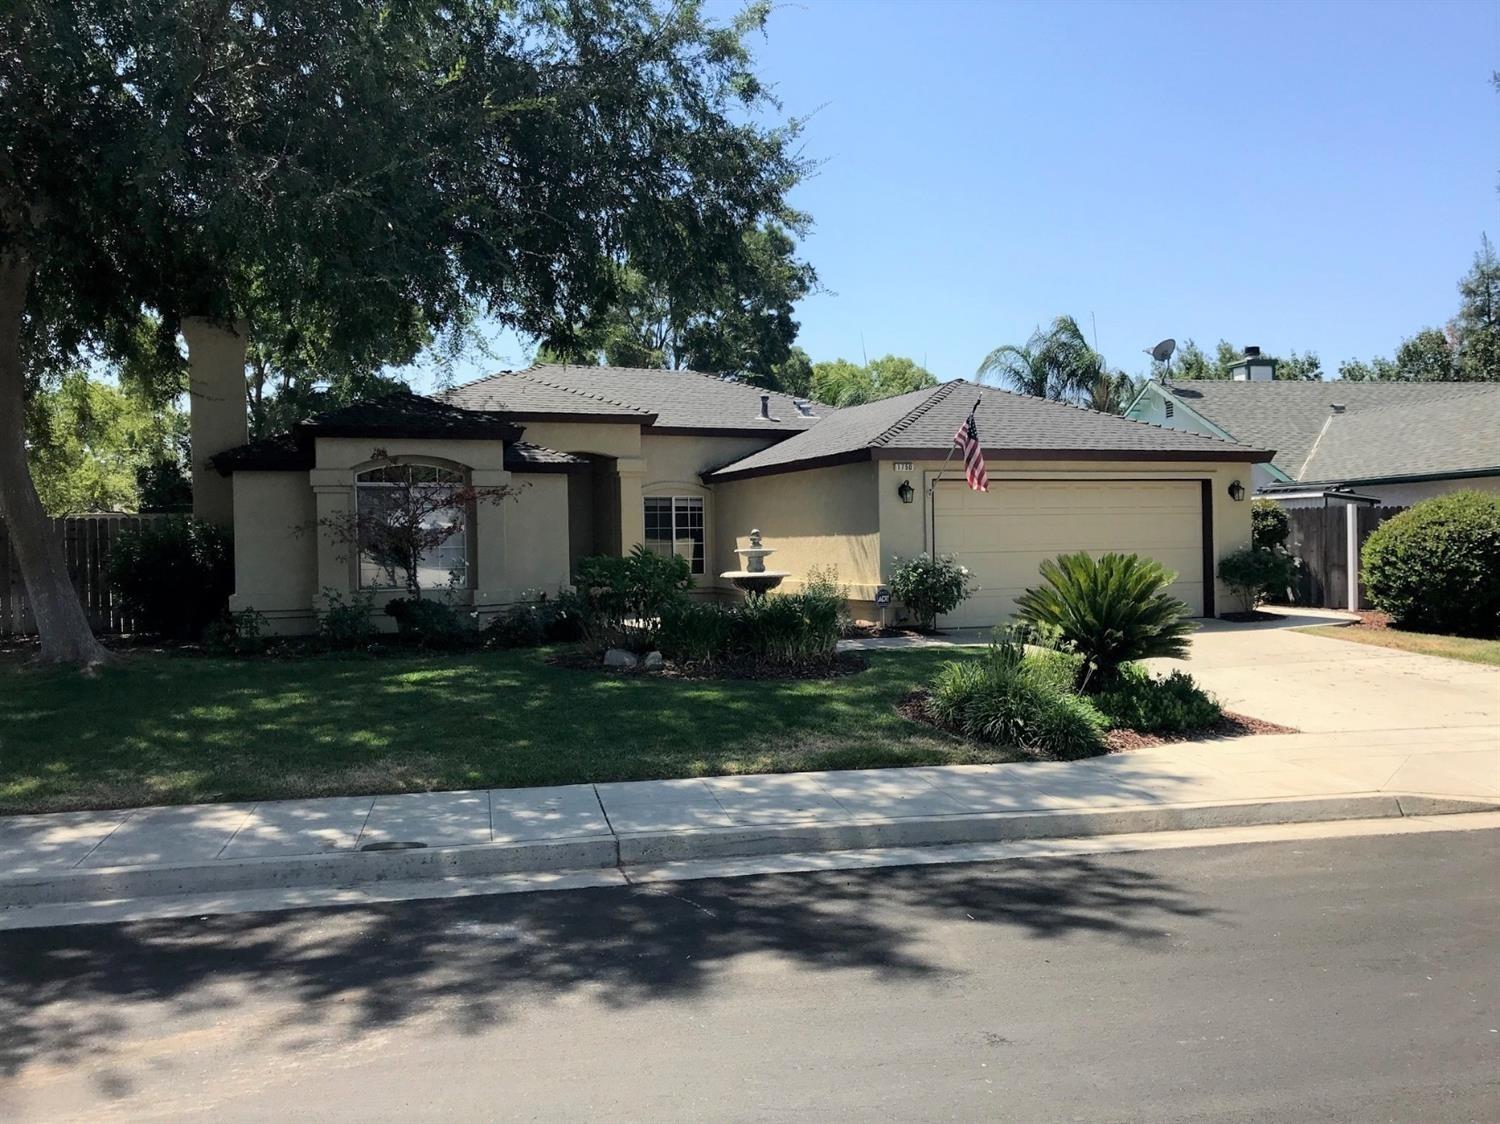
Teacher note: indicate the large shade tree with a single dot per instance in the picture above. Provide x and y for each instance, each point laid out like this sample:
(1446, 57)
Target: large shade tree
(352, 179)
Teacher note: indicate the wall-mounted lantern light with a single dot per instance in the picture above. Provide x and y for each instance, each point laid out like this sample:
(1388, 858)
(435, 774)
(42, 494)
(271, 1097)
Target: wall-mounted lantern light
(1236, 491)
(906, 492)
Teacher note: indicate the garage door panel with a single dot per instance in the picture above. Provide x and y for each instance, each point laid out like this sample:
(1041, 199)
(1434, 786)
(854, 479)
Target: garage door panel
(1003, 536)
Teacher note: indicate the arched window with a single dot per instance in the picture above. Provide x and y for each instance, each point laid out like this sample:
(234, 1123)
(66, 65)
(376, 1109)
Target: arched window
(412, 526)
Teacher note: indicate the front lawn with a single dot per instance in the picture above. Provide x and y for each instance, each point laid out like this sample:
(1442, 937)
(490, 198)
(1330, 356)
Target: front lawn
(163, 729)
(1428, 643)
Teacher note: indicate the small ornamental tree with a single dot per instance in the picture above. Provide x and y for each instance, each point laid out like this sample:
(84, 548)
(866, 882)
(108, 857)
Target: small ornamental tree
(411, 516)
(930, 587)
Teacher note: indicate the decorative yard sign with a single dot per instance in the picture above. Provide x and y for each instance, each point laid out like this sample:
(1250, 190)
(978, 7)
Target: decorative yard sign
(882, 597)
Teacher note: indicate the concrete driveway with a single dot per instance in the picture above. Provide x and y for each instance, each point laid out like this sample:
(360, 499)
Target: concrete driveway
(1317, 684)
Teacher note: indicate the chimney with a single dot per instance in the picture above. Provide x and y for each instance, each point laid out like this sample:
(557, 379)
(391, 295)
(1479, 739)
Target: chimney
(216, 411)
(1252, 368)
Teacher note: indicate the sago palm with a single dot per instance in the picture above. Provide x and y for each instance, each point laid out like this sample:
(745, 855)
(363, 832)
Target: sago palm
(1112, 610)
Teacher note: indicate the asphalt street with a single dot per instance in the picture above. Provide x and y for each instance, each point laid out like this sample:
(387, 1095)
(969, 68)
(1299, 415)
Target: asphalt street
(1348, 979)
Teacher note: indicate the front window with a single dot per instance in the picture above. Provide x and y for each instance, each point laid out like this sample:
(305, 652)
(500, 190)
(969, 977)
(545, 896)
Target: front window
(674, 525)
(410, 524)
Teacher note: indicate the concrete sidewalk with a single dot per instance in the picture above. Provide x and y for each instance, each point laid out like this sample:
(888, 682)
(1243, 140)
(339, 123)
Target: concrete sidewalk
(344, 841)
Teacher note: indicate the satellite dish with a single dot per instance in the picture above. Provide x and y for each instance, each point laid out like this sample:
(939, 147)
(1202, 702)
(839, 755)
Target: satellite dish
(1162, 352)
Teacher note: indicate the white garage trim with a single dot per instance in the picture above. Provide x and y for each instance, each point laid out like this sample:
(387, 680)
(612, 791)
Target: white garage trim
(1005, 534)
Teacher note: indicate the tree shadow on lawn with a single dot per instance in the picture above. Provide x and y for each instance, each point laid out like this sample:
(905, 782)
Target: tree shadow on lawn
(71, 996)
(162, 729)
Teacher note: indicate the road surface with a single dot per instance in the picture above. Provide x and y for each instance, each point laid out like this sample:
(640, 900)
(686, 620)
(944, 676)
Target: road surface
(1342, 979)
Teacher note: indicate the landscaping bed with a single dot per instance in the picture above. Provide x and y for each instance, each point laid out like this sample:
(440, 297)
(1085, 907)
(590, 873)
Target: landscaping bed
(839, 665)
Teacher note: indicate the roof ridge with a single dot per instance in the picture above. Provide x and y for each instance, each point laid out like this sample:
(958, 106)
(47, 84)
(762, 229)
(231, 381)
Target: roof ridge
(531, 376)
(901, 424)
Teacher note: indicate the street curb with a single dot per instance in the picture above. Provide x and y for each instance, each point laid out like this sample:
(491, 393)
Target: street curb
(355, 868)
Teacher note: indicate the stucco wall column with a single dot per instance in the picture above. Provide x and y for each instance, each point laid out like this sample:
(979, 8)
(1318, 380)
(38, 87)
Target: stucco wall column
(335, 564)
(631, 471)
(492, 563)
(217, 421)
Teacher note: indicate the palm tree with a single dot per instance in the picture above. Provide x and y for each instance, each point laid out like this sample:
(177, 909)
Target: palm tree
(1111, 393)
(1057, 363)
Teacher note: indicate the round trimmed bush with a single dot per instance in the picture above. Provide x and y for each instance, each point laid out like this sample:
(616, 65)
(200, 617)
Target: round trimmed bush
(1436, 566)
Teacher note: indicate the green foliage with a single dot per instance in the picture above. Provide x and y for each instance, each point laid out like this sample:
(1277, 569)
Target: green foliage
(696, 632)
(624, 598)
(1191, 362)
(842, 383)
(241, 633)
(930, 587)
(1255, 573)
(789, 629)
(1110, 610)
(1476, 328)
(174, 575)
(346, 624)
(1148, 704)
(1055, 363)
(430, 623)
(90, 442)
(1436, 566)
(1269, 524)
(1009, 697)
(544, 621)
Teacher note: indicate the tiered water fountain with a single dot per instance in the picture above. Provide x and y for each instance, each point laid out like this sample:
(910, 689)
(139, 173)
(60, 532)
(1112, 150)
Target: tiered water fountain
(752, 576)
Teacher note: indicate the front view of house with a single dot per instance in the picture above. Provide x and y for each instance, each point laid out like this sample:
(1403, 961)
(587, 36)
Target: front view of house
(596, 459)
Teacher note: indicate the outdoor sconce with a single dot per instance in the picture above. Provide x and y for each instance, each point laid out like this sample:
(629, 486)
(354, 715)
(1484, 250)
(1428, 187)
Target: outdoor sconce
(1236, 491)
(906, 492)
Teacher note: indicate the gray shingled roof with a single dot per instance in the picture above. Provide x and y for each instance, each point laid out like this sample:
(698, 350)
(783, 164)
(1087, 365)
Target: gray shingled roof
(1386, 429)
(661, 399)
(923, 422)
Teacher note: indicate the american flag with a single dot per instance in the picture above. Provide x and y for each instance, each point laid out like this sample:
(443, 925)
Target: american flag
(967, 440)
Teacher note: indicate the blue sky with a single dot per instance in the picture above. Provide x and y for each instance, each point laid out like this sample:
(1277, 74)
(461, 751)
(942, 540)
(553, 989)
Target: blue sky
(1298, 176)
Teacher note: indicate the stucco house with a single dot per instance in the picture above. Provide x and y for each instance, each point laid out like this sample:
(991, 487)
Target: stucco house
(1391, 443)
(604, 458)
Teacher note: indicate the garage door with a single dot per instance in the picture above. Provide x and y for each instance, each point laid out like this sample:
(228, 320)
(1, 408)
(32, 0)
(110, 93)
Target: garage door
(1003, 535)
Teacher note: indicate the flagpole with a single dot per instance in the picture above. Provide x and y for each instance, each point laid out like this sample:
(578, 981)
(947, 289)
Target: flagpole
(936, 480)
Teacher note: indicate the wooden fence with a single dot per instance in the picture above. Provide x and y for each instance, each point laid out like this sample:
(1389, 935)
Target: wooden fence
(86, 541)
(1319, 539)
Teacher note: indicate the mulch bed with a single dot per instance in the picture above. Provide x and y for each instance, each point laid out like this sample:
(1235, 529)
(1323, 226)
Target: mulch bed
(1372, 622)
(914, 705)
(880, 632)
(843, 664)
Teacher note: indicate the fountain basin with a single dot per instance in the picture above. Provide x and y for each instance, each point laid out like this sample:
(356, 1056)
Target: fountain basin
(756, 583)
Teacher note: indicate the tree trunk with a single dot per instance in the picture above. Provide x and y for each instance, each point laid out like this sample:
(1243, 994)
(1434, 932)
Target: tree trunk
(65, 632)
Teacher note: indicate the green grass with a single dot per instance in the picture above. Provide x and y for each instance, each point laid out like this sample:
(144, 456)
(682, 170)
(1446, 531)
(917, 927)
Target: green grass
(162, 729)
(1428, 643)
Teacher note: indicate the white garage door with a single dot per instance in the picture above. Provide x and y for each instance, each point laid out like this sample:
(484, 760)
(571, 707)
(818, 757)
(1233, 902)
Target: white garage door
(1003, 535)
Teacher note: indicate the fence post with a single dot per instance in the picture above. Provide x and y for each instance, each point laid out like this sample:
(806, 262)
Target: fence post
(1351, 557)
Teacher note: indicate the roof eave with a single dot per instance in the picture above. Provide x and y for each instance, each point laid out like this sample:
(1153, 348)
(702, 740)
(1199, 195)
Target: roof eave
(1235, 455)
(729, 472)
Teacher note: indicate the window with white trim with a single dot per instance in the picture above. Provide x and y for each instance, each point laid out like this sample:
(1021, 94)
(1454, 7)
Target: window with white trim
(674, 525)
(396, 492)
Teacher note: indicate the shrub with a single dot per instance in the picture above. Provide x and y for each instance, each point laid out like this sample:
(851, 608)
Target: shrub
(1110, 611)
(429, 623)
(520, 626)
(241, 633)
(790, 629)
(1269, 525)
(931, 587)
(1149, 705)
(1010, 697)
(624, 597)
(173, 575)
(1436, 566)
(695, 632)
(1256, 573)
(824, 581)
(347, 624)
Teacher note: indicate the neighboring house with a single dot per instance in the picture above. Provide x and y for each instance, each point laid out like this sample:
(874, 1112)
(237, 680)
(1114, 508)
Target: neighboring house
(1391, 442)
(605, 458)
